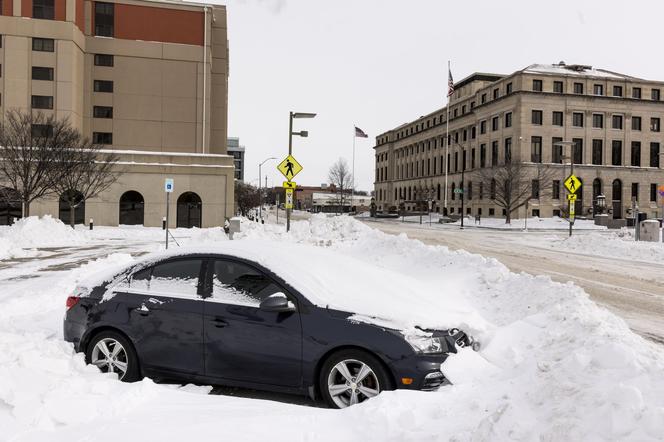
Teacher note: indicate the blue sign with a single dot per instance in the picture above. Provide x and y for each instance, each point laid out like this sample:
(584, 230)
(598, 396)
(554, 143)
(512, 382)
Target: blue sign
(168, 185)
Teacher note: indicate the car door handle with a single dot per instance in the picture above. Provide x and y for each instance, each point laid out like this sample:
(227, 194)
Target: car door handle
(219, 323)
(142, 310)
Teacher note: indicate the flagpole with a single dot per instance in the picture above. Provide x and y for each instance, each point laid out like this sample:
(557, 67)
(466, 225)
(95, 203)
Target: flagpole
(447, 141)
(352, 188)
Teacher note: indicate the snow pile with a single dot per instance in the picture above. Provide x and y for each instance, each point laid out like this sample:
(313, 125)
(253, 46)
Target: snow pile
(32, 232)
(553, 366)
(614, 244)
(535, 223)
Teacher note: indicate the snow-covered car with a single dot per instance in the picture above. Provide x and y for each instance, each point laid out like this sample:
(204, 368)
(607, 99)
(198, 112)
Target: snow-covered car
(265, 315)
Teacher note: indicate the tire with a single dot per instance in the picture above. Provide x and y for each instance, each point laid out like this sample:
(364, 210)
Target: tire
(124, 361)
(340, 388)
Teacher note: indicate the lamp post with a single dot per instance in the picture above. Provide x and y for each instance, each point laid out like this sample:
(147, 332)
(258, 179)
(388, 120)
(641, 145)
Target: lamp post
(571, 172)
(260, 192)
(303, 134)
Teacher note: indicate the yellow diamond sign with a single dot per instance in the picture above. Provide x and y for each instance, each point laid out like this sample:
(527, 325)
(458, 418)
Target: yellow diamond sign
(289, 167)
(572, 184)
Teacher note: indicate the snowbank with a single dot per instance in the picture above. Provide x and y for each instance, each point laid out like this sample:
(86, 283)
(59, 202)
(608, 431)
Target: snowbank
(17, 240)
(554, 366)
(614, 244)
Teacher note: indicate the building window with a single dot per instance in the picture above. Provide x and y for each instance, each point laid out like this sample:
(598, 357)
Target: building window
(577, 119)
(558, 87)
(102, 138)
(616, 153)
(555, 190)
(598, 89)
(654, 124)
(617, 122)
(536, 149)
(496, 93)
(557, 118)
(653, 192)
(42, 102)
(537, 85)
(455, 113)
(483, 99)
(508, 119)
(494, 123)
(469, 190)
(104, 60)
(556, 150)
(43, 9)
(636, 123)
(597, 152)
(537, 117)
(578, 150)
(636, 154)
(42, 130)
(103, 86)
(492, 192)
(534, 189)
(635, 191)
(654, 154)
(463, 111)
(102, 112)
(617, 91)
(494, 153)
(473, 134)
(483, 127)
(41, 73)
(636, 92)
(104, 19)
(482, 155)
(43, 44)
(508, 88)
(598, 121)
(508, 150)
(578, 88)
(654, 94)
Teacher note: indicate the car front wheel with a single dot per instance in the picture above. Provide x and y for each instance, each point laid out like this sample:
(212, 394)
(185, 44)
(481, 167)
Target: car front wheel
(350, 377)
(111, 352)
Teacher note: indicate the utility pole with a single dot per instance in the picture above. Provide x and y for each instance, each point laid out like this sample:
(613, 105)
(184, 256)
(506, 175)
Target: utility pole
(303, 133)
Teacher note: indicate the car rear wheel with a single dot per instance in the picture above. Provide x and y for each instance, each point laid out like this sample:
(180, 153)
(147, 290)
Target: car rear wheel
(350, 377)
(111, 352)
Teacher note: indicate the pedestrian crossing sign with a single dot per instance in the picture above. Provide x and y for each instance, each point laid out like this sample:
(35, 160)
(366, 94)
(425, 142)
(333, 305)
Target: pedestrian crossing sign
(289, 167)
(572, 184)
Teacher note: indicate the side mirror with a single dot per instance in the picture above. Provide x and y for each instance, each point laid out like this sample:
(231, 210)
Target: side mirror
(277, 302)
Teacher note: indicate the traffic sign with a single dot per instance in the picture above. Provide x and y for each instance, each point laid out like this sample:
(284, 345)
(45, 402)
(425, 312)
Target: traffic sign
(571, 197)
(289, 185)
(458, 190)
(572, 209)
(168, 185)
(289, 199)
(289, 167)
(572, 184)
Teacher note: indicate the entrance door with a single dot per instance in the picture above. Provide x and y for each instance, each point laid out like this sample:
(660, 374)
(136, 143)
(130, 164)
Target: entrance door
(243, 342)
(189, 210)
(10, 206)
(617, 199)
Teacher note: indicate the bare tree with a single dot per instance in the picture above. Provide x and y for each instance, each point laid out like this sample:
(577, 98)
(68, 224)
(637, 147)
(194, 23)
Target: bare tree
(246, 197)
(30, 144)
(513, 184)
(84, 171)
(341, 177)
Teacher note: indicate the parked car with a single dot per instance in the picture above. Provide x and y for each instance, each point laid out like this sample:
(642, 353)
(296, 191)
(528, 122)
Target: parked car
(227, 315)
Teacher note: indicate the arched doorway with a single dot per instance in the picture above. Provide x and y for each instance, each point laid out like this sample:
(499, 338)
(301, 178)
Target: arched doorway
(189, 213)
(597, 190)
(79, 211)
(616, 198)
(132, 208)
(10, 206)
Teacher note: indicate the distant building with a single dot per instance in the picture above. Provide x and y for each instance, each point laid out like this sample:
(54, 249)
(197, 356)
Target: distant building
(237, 152)
(614, 120)
(331, 203)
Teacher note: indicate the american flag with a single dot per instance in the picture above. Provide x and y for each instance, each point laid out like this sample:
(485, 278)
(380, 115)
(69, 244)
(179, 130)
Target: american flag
(360, 133)
(450, 83)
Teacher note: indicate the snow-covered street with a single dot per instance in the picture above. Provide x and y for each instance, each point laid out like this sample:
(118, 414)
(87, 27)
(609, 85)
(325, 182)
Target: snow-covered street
(553, 366)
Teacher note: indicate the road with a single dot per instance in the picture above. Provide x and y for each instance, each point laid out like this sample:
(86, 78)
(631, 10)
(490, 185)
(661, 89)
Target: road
(633, 290)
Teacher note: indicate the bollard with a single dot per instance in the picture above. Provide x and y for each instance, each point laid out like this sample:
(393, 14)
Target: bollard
(163, 223)
(91, 223)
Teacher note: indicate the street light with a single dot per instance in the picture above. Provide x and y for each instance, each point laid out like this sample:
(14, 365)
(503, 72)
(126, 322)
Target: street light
(571, 172)
(302, 134)
(260, 192)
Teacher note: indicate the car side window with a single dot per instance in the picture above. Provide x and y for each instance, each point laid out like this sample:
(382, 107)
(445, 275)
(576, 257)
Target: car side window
(141, 279)
(175, 278)
(237, 283)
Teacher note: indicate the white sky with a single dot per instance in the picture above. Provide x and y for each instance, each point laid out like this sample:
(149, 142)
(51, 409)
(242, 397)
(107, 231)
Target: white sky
(380, 63)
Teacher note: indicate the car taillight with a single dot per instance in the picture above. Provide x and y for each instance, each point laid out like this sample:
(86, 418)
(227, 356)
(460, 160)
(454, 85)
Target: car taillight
(72, 301)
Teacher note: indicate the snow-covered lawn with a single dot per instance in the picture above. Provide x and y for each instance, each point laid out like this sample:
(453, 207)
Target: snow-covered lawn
(554, 366)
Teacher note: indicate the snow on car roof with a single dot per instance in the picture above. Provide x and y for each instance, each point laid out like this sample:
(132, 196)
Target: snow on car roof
(329, 279)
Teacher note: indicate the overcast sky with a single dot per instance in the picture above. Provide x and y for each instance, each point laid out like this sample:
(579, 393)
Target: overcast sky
(379, 63)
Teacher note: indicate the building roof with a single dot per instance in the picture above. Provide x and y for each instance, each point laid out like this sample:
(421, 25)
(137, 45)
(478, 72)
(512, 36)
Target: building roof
(574, 69)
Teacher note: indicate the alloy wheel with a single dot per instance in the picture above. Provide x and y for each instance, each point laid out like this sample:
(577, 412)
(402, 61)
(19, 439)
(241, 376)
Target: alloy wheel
(110, 357)
(350, 382)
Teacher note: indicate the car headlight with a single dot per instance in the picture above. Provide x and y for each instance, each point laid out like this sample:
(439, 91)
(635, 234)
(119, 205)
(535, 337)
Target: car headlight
(425, 344)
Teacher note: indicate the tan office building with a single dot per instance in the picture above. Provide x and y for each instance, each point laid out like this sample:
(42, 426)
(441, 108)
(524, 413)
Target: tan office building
(613, 119)
(148, 79)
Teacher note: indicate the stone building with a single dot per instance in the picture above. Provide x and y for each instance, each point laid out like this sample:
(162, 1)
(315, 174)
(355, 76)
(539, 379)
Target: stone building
(147, 79)
(614, 121)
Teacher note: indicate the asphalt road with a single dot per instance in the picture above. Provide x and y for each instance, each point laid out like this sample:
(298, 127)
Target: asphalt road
(633, 290)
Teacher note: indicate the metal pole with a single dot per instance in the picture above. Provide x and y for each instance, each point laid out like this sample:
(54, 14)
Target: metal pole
(447, 144)
(571, 172)
(168, 194)
(277, 200)
(463, 191)
(290, 151)
(260, 193)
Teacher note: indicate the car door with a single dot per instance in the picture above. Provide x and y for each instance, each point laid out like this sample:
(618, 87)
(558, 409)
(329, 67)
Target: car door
(164, 305)
(243, 342)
